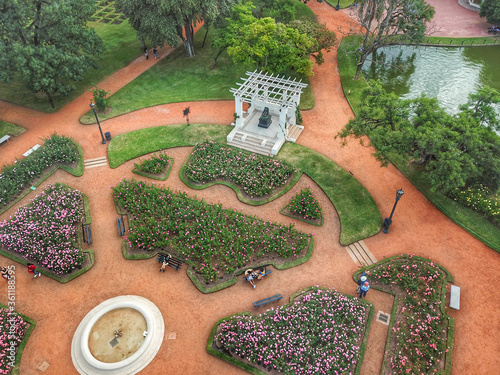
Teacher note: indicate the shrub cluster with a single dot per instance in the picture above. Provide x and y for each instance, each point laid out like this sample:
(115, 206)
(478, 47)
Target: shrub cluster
(421, 332)
(45, 231)
(321, 333)
(215, 240)
(257, 175)
(479, 199)
(12, 330)
(15, 177)
(155, 164)
(305, 205)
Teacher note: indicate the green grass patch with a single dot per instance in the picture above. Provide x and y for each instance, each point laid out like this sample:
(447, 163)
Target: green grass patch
(11, 129)
(472, 222)
(122, 46)
(358, 213)
(125, 147)
(177, 78)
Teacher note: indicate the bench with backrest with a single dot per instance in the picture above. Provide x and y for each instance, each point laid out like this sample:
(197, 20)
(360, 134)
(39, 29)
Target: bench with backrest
(172, 262)
(455, 297)
(261, 302)
(5, 138)
(121, 226)
(87, 234)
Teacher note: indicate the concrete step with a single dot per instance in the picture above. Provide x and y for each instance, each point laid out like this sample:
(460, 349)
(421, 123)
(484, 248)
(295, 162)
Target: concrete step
(359, 253)
(266, 151)
(96, 162)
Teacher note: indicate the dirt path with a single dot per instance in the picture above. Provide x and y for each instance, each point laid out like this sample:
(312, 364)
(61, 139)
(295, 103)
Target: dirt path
(418, 228)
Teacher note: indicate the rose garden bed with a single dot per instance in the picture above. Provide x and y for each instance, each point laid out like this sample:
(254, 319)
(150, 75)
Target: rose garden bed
(420, 336)
(46, 232)
(321, 331)
(15, 330)
(303, 206)
(157, 166)
(215, 241)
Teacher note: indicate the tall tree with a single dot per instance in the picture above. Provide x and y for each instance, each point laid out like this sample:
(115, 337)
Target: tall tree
(454, 150)
(171, 21)
(491, 10)
(480, 107)
(386, 21)
(46, 44)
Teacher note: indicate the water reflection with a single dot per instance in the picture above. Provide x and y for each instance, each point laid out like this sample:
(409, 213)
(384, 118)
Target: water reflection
(449, 74)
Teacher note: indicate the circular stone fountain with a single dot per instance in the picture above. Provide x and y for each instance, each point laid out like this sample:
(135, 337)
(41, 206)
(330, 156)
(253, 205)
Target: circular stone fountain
(119, 336)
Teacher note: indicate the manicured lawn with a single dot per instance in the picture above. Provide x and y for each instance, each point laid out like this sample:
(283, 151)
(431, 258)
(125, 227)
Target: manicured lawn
(471, 221)
(122, 46)
(11, 129)
(177, 78)
(320, 332)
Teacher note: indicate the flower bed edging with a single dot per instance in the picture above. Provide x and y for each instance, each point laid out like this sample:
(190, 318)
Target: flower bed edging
(224, 354)
(446, 322)
(153, 176)
(19, 352)
(284, 211)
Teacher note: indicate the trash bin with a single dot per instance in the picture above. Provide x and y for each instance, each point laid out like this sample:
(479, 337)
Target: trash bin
(108, 136)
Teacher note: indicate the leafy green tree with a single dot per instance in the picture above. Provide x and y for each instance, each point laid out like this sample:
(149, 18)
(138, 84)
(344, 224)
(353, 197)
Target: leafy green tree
(480, 107)
(171, 21)
(384, 21)
(491, 10)
(47, 45)
(455, 151)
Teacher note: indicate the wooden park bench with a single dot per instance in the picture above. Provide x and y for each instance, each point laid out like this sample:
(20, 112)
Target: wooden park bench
(455, 297)
(87, 233)
(172, 262)
(276, 297)
(121, 226)
(5, 138)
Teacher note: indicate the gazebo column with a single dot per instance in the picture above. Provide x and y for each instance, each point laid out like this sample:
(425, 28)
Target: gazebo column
(239, 111)
(282, 120)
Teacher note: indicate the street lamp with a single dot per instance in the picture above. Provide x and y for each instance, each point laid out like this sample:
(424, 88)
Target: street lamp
(92, 106)
(388, 221)
(337, 7)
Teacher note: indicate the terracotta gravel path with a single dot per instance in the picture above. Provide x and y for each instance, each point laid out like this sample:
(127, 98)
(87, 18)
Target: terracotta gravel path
(418, 228)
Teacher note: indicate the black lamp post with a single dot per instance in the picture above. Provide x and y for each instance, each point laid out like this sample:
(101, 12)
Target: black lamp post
(92, 106)
(388, 221)
(337, 7)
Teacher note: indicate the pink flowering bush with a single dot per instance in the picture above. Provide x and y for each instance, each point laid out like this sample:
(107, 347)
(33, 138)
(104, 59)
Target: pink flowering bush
(305, 205)
(12, 330)
(16, 177)
(215, 240)
(320, 333)
(420, 333)
(45, 232)
(257, 175)
(155, 164)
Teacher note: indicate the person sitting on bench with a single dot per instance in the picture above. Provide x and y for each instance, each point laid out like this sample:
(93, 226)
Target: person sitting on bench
(164, 263)
(251, 275)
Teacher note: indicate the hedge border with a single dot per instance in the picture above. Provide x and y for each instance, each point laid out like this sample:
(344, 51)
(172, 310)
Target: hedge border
(150, 175)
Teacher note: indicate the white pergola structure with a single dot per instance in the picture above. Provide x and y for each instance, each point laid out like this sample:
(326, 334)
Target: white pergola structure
(281, 96)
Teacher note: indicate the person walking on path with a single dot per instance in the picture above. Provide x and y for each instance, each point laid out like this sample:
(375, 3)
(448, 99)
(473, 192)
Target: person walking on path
(5, 273)
(362, 279)
(146, 53)
(155, 52)
(32, 269)
(363, 289)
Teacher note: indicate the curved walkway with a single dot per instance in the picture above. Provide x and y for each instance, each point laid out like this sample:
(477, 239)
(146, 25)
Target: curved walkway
(418, 228)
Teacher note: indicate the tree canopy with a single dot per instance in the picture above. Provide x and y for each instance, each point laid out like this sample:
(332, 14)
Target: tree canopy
(46, 44)
(491, 10)
(384, 21)
(454, 150)
(172, 21)
(270, 45)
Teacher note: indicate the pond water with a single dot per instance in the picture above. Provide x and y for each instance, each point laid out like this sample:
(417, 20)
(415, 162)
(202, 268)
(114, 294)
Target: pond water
(449, 74)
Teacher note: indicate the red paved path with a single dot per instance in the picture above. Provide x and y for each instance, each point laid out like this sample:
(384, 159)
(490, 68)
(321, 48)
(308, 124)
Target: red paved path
(418, 228)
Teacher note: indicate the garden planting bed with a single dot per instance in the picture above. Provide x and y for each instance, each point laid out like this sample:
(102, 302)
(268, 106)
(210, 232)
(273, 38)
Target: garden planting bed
(304, 207)
(256, 177)
(46, 232)
(217, 242)
(320, 332)
(420, 334)
(157, 167)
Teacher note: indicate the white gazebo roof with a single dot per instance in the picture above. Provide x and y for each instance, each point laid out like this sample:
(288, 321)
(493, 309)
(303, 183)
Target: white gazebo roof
(262, 87)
